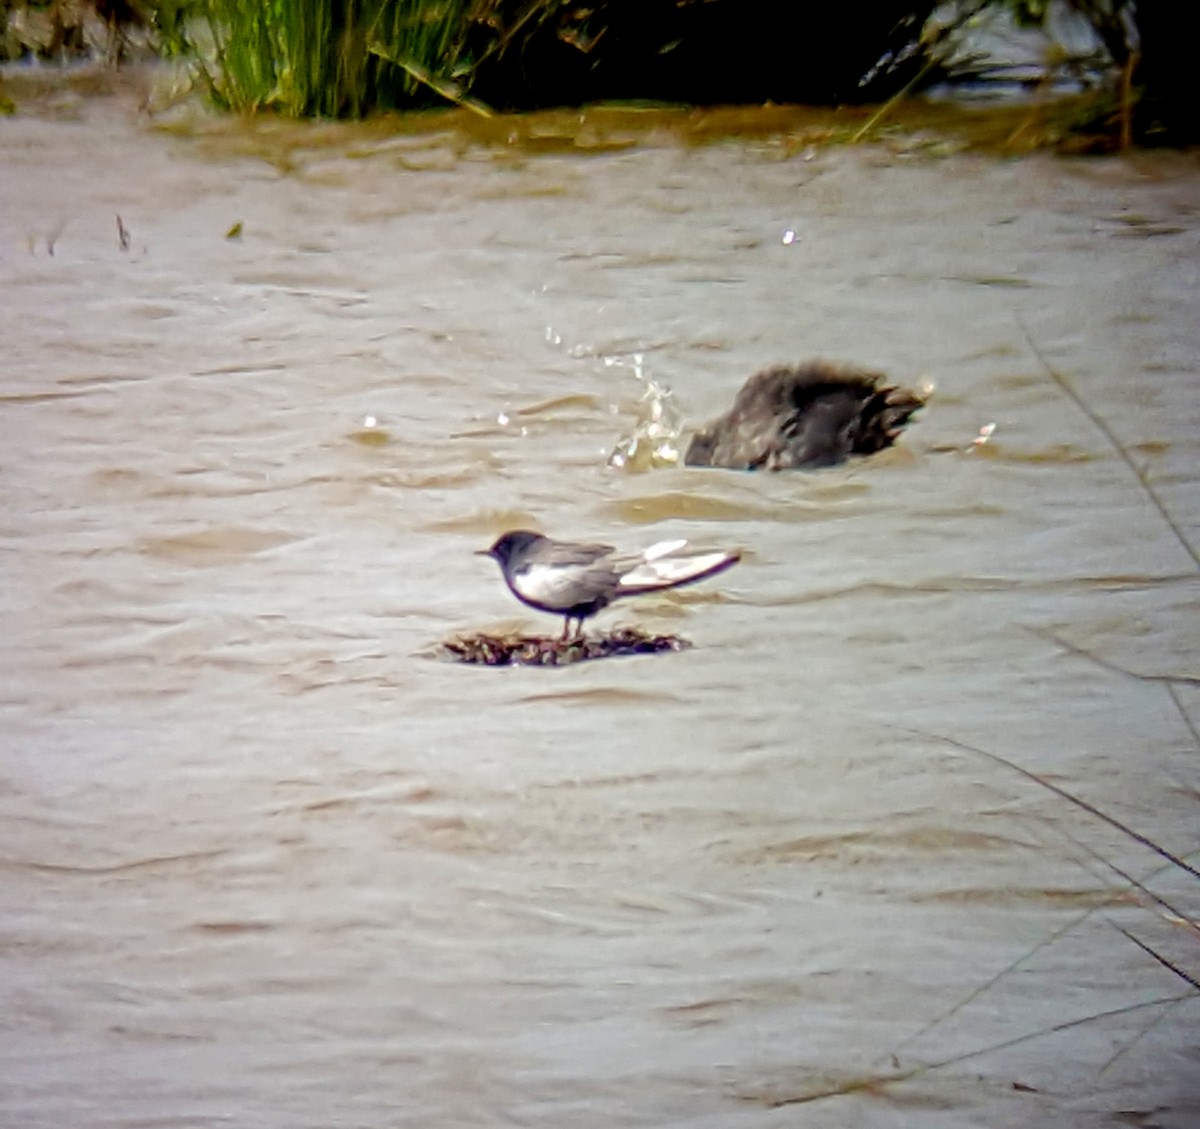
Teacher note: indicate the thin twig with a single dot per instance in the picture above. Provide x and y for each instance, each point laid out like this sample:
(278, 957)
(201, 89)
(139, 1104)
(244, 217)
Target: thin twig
(1127, 99)
(536, 7)
(1187, 720)
(1067, 1025)
(860, 1084)
(1108, 434)
(1136, 836)
(900, 94)
(935, 58)
(990, 982)
(1176, 913)
(1184, 976)
(1107, 664)
(1141, 1034)
(442, 87)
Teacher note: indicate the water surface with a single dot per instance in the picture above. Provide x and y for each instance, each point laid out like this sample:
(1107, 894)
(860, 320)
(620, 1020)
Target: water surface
(268, 864)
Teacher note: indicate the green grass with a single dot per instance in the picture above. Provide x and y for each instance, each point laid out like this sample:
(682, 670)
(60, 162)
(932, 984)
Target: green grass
(344, 58)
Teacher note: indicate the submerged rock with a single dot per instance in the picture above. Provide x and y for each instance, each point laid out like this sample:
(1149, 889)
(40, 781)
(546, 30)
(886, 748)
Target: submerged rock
(814, 414)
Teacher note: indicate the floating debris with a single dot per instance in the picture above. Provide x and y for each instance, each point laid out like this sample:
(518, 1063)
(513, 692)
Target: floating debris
(533, 650)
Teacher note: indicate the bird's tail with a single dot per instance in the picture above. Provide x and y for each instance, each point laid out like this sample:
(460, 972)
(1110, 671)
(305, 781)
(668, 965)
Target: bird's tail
(663, 566)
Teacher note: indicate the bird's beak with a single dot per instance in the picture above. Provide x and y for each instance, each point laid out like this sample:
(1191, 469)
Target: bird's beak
(483, 552)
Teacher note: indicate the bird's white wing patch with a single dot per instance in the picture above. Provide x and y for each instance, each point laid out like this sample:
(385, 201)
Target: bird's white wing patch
(661, 549)
(670, 571)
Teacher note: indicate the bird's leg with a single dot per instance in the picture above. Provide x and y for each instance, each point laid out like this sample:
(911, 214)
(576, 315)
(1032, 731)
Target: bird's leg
(566, 629)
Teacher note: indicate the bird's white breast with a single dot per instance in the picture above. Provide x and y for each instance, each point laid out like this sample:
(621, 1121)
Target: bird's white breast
(546, 584)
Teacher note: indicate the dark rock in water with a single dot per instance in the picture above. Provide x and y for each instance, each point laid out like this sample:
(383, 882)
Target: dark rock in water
(525, 650)
(811, 415)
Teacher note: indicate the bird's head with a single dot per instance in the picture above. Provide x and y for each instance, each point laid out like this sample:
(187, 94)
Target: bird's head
(508, 545)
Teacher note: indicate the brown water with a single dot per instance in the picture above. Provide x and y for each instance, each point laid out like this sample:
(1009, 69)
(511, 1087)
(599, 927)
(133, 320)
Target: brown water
(267, 864)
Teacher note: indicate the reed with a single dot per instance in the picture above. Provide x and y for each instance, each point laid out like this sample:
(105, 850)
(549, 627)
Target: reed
(344, 58)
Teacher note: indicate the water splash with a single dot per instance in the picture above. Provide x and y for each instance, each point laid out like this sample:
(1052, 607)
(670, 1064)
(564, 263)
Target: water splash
(655, 438)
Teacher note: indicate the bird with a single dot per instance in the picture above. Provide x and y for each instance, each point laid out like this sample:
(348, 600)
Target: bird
(577, 579)
(810, 415)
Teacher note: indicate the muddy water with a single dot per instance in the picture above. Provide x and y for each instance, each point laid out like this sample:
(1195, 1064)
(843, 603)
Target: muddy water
(265, 863)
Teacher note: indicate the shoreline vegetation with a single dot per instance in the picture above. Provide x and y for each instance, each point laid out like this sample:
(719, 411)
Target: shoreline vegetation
(1121, 81)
